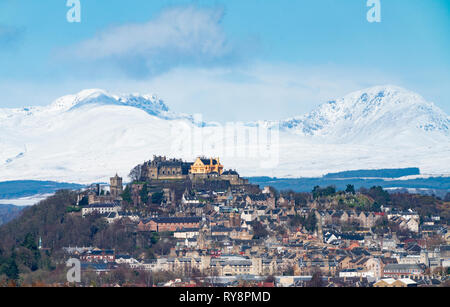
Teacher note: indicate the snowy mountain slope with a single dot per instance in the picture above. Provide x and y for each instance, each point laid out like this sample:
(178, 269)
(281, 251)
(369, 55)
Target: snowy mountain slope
(82, 143)
(90, 136)
(376, 114)
(97, 97)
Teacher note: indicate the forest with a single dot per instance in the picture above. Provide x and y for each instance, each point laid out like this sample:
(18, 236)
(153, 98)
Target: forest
(52, 221)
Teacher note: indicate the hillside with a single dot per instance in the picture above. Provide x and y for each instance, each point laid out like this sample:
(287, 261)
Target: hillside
(379, 173)
(25, 188)
(58, 226)
(8, 213)
(52, 221)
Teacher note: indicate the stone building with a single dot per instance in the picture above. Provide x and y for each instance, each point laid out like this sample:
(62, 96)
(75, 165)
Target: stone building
(161, 168)
(169, 223)
(233, 177)
(206, 166)
(101, 208)
(116, 186)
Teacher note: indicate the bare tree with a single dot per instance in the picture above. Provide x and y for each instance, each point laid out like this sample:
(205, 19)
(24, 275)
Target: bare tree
(147, 278)
(136, 173)
(316, 280)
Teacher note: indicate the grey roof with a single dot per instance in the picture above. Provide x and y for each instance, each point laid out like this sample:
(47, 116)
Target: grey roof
(402, 267)
(103, 205)
(172, 220)
(230, 172)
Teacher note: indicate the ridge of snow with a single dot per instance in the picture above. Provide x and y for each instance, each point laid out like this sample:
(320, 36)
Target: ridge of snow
(96, 97)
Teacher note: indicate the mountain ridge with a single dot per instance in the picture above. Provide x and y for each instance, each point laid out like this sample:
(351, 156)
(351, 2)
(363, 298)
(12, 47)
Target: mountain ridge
(88, 136)
(380, 105)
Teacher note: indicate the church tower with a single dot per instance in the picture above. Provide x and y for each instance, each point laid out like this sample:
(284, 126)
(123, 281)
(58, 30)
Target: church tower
(116, 187)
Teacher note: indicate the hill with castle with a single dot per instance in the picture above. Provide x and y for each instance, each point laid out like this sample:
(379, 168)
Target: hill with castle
(171, 178)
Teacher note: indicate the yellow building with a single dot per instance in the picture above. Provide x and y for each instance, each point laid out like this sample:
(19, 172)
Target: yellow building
(395, 283)
(206, 166)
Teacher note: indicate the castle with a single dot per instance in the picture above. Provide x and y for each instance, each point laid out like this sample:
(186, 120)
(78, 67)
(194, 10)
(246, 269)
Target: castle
(203, 169)
(161, 168)
(99, 194)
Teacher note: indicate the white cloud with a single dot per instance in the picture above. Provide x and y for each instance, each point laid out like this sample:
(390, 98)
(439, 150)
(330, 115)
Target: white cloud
(178, 36)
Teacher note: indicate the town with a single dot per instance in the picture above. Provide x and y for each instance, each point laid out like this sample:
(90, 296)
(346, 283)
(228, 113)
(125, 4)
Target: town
(209, 226)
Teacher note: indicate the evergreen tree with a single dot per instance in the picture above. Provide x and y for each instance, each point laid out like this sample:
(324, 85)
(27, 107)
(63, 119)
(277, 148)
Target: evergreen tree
(30, 242)
(10, 269)
(143, 194)
(126, 195)
(379, 195)
(316, 192)
(296, 221)
(350, 189)
(259, 230)
(157, 197)
(375, 207)
(323, 192)
(311, 222)
(84, 201)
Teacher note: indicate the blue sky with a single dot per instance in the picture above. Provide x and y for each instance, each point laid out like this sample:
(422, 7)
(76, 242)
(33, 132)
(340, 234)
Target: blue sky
(229, 60)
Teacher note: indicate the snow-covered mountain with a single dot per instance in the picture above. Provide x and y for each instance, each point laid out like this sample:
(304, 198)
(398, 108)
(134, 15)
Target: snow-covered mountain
(90, 136)
(375, 114)
(97, 97)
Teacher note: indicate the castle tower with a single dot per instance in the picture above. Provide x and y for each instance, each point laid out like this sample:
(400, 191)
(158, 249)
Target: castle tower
(116, 186)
